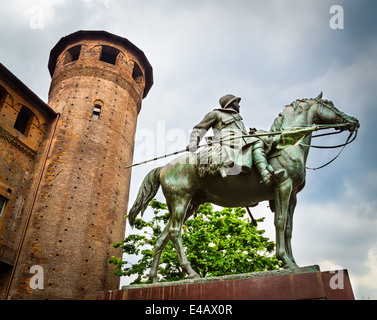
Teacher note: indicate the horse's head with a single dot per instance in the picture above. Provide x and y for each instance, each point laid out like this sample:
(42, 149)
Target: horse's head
(329, 114)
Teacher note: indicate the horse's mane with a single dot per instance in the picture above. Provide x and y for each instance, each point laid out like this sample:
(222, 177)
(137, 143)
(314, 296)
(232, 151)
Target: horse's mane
(279, 120)
(276, 125)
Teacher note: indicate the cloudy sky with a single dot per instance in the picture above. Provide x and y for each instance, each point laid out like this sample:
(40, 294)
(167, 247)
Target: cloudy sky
(267, 52)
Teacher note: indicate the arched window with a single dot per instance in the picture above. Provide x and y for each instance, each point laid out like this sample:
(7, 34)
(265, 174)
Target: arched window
(98, 104)
(24, 119)
(109, 54)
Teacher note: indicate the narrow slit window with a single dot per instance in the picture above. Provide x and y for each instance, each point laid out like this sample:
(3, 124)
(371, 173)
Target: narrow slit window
(96, 111)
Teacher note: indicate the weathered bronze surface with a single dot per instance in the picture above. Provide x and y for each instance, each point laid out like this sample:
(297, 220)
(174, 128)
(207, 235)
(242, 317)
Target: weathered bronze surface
(185, 186)
(233, 155)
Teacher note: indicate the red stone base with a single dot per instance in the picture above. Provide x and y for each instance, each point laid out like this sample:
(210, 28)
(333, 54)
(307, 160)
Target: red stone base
(328, 285)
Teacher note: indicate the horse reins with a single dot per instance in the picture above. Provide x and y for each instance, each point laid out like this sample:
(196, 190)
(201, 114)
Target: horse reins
(331, 126)
(348, 141)
(269, 133)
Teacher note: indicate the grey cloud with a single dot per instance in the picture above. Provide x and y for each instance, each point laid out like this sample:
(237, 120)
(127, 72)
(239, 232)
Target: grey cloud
(269, 53)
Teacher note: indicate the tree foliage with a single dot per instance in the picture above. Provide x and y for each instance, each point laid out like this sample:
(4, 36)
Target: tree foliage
(216, 242)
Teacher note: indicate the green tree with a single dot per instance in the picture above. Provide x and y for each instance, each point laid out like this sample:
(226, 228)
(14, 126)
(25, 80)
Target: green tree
(217, 243)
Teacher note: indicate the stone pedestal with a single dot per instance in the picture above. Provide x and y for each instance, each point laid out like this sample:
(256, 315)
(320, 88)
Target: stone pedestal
(299, 284)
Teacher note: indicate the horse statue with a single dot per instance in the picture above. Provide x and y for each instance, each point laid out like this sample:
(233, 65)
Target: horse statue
(185, 189)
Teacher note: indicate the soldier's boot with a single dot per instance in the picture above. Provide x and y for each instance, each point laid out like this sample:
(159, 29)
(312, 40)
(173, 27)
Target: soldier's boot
(266, 171)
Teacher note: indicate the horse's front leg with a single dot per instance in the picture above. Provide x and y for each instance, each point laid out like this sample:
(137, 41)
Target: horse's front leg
(282, 197)
(289, 228)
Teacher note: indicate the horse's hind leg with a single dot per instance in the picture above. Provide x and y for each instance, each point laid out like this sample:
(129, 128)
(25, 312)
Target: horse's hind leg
(161, 243)
(178, 214)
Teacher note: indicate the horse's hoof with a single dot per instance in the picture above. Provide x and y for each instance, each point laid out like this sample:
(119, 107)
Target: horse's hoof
(194, 276)
(291, 266)
(154, 280)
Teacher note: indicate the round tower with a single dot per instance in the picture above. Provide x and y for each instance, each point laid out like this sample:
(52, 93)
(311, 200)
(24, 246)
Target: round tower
(98, 83)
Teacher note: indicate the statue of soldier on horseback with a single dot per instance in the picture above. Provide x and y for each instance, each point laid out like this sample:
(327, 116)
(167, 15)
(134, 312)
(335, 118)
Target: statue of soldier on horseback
(240, 169)
(230, 154)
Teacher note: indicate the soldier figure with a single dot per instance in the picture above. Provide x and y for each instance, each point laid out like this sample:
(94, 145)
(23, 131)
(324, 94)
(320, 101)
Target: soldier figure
(228, 154)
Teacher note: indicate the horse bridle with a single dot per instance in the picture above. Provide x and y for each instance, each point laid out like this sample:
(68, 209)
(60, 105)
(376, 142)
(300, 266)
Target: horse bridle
(349, 140)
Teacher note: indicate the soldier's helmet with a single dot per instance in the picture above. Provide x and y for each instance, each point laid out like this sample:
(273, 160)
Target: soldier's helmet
(226, 100)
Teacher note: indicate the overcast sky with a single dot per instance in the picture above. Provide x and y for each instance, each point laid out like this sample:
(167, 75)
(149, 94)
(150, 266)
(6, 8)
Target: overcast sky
(267, 52)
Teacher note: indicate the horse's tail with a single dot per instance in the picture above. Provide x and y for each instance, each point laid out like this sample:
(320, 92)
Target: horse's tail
(147, 191)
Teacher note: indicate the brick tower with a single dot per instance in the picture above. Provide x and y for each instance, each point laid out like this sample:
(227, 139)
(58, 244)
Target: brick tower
(98, 83)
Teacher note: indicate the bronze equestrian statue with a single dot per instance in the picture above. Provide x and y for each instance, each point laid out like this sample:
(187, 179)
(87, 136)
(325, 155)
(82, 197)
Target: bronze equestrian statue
(232, 156)
(231, 179)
